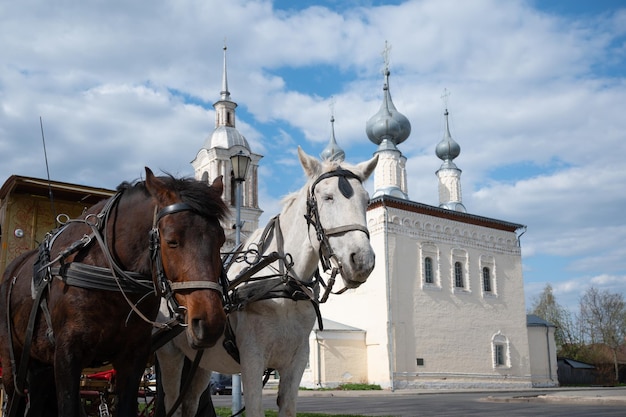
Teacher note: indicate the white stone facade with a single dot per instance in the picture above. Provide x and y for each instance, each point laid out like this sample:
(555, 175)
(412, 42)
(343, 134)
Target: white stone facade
(439, 334)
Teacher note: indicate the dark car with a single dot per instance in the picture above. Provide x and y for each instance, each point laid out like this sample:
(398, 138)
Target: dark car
(221, 384)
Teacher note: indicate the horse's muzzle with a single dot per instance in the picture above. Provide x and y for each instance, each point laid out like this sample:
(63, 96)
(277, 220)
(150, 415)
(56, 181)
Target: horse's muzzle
(202, 334)
(361, 266)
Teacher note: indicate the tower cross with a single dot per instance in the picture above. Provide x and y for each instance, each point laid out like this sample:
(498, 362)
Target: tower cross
(386, 52)
(444, 97)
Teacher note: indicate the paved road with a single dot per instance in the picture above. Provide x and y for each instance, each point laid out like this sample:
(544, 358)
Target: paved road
(483, 404)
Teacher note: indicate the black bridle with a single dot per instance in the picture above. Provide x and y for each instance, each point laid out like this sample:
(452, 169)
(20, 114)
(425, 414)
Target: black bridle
(163, 287)
(285, 284)
(328, 259)
(113, 278)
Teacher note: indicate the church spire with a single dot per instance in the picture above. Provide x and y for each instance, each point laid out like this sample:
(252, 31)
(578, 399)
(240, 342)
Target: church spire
(225, 94)
(387, 129)
(449, 174)
(213, 160)
(225, 107)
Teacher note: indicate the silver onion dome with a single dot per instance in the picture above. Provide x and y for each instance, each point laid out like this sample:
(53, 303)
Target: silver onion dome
(447, 149)
(388, 123)
(333, 152)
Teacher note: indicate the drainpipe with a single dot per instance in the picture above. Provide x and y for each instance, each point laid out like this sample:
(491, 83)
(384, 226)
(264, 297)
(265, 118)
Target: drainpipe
(549, 357)
(319, 359)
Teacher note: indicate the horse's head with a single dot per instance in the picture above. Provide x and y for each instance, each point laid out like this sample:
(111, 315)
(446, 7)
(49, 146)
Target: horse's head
(336, 212)
(188, 235)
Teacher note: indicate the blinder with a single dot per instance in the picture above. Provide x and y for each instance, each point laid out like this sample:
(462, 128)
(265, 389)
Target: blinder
(342, 178)
(163, 287)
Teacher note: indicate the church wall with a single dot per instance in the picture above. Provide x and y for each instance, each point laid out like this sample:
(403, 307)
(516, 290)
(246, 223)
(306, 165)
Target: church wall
(451, 332)
(366, 308)
(446, 335)
(450, 337)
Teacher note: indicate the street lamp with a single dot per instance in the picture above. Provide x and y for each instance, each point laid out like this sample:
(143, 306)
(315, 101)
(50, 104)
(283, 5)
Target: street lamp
(239, 163)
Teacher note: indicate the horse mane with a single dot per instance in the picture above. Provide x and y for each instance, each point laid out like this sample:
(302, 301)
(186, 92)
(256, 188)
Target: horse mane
(191, 191)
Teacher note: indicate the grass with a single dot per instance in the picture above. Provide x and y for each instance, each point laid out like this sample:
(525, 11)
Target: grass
(348, 387)
(226, 412)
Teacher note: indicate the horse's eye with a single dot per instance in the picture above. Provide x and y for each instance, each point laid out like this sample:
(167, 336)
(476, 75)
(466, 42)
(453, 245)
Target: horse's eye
(172, 244)
(328, 197)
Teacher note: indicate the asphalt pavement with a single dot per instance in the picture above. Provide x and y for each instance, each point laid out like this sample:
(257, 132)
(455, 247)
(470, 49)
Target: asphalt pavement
(532, 402)
(582, 395)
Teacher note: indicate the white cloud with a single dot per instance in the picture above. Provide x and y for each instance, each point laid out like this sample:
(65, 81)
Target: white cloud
(536, 101)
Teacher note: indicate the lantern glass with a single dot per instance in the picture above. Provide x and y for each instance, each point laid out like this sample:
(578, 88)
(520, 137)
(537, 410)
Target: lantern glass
(240, 162)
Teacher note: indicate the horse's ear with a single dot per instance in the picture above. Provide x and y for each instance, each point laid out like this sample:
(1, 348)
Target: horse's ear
(366, 168)
(157, 188)
(310, 164)
(218, 185)
(151, 180)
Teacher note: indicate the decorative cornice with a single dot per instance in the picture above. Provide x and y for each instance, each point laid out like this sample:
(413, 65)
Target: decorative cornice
(412, 206)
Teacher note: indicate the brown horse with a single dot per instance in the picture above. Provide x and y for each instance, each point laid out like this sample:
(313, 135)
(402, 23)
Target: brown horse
(89, 295)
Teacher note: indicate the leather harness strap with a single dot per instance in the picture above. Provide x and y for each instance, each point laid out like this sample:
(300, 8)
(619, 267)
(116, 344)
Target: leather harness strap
(95, 277)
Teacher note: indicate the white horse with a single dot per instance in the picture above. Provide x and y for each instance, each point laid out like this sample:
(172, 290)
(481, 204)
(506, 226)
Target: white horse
(325, 221)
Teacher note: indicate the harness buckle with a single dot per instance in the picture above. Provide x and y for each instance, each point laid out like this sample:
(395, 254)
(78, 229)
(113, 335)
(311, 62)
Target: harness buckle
(86, 239)
(63, 219)
(181, 315)
(92, 220)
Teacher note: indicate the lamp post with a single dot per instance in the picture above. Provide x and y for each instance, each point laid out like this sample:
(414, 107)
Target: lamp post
(239, 163)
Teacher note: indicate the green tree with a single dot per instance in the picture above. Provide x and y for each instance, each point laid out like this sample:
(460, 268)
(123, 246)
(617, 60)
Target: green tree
(566, 334)
(603, 320)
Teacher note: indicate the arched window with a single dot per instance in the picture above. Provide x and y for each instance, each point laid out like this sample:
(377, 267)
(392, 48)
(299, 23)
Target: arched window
(500, 349)
(428, 270)
(486, 279)
(458, 275)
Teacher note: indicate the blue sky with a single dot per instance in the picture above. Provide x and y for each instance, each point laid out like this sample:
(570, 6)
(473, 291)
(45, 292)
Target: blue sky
(536, 88)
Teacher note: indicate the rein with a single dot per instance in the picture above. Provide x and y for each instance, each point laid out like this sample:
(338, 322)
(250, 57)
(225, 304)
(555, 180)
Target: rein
(328, 259)
(113, 278)
(284, 284)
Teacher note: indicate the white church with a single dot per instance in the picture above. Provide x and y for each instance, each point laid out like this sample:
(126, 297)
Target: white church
(444, 306)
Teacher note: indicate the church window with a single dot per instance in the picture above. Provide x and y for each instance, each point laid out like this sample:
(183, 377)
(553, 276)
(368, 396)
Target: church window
(428, 270)
(500, 351)
(499, 355)
(486, 279)
(458, 275)
(429, 273)
(488, 274)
